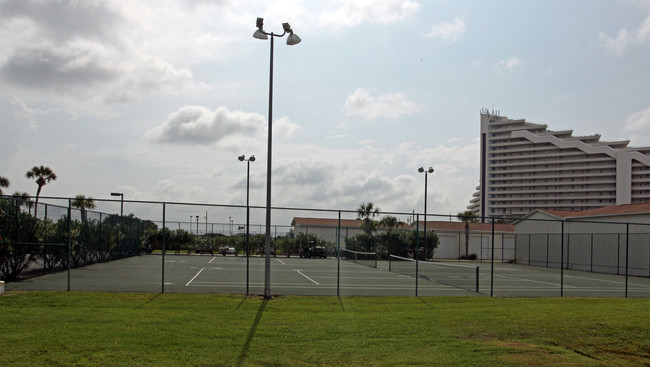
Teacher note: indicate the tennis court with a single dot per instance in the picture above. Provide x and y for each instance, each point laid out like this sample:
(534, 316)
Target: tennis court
(331, 277)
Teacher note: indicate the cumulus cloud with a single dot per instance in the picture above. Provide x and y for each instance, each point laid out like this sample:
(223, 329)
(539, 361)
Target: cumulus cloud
(283, 128)
(625, 38)
(509, 64)
(389, 106)
(638, 121)
(65, 52)
(347, 13)
(448, 31)
(199, 125)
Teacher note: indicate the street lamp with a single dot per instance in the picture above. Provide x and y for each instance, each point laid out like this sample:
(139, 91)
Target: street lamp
(292, 39)
(426, 172)
(121, 195)
(248, 161)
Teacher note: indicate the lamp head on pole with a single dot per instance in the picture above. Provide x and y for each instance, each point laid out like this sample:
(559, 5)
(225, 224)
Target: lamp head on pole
(252, 158)
(241, 157)
(259, 33)
(293, 39)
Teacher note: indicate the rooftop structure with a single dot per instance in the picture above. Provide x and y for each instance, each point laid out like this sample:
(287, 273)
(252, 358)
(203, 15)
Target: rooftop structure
(525, 166)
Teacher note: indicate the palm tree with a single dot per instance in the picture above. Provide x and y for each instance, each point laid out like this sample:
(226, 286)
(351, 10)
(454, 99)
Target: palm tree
(467, 217)
(83, 203)
(4, 182)
(390, 222)
(43, 175)
(366, 213)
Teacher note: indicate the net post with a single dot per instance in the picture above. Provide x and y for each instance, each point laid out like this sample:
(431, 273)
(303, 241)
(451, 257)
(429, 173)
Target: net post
(477, 277)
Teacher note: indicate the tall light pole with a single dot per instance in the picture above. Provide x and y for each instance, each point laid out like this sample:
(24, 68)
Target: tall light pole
(121, 195)
(426, 172)
(197, 225)
(292, 39)
(248, 161)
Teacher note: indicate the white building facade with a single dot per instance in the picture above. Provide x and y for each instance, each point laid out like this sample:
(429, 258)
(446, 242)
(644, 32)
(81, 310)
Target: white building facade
(525, 166)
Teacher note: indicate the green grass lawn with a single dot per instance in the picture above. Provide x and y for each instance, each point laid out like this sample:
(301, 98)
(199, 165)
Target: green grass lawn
(126, 329)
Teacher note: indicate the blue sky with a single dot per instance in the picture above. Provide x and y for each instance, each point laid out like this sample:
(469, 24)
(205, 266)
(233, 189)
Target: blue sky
(157, 99)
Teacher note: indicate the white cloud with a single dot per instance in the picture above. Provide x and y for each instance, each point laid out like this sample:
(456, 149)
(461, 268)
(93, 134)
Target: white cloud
(448, 31)
(389, 106)
(347, 13)
(199, 125)
(509, 64)
(625, 38)
(68, 54)
(638, 121)
(283, 128)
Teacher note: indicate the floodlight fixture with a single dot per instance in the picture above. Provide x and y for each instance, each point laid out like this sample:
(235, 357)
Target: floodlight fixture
(259, 33)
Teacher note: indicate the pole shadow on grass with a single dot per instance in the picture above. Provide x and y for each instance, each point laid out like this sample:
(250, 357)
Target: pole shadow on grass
(251, 333)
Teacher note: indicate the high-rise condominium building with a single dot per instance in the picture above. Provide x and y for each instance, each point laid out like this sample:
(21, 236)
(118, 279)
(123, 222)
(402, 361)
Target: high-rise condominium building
(524, 167)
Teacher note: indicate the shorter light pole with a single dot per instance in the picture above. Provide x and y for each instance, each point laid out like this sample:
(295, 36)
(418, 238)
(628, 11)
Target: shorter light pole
(426, 172)
(197, 225)
(242, 158)
(121, 195)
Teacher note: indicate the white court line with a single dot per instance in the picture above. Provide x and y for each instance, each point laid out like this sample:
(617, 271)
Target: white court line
(300, 272)
(211, 260)
(281, 262)
(197, 274)
(606, 281)
(533, 281)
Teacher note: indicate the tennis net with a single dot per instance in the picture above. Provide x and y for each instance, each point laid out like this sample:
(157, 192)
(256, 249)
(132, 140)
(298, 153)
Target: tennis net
(363, 258)
(455, 275)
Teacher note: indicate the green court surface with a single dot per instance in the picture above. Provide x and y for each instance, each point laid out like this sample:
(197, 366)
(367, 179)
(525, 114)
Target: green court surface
(331, 277)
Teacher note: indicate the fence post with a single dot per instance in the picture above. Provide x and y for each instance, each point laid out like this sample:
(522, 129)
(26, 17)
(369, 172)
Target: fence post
(492, 263)
(338, 256)
(162, 286)
(417, 251)
(627, 254)
(69, 239)
(562, 262)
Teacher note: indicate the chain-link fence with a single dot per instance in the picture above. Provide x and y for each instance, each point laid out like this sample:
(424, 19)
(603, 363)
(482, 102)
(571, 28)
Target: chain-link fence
(140, 246)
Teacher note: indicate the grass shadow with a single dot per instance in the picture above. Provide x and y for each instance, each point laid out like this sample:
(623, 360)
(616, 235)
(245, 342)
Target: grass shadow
(149, 300)
(241, 303)
(341, 303)
(425, 303)
(251, 333)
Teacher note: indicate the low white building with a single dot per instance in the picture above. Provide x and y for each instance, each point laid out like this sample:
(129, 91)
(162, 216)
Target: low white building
(451, 235)
(603, 240)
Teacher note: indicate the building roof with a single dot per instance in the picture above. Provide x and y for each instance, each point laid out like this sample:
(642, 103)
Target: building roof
(474, 227)
(621, 209)
(326, 222)
(432, 225)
